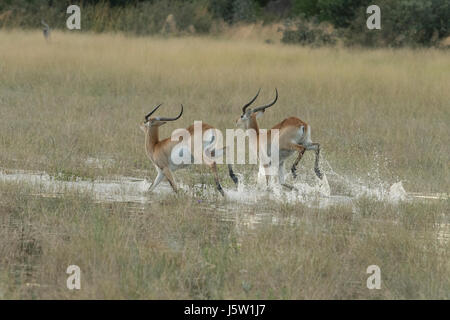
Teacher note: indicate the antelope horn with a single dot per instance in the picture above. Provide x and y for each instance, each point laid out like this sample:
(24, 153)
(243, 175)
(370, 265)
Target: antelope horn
(150, 113)
(262, 108)
(251, 101)
(172, 119)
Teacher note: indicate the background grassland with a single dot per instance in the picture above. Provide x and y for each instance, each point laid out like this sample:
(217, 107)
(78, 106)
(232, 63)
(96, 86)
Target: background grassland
(83, 95)
(176, 249)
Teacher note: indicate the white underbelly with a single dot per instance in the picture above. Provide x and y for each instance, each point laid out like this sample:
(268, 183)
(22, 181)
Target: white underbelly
(180, 158)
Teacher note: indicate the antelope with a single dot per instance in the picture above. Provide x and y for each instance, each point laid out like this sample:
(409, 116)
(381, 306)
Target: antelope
(46, 30)
(159, 151)
(294, 136)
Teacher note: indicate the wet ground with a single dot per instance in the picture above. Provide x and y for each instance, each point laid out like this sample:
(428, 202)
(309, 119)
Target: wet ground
(250, 202)
(311, 192)
(246, 197)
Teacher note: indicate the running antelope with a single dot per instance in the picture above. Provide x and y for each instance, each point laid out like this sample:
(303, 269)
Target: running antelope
(160, 151)
(294, 136)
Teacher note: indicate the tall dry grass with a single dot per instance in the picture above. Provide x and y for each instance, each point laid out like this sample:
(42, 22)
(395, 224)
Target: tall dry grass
(177, 249)
(83, 95)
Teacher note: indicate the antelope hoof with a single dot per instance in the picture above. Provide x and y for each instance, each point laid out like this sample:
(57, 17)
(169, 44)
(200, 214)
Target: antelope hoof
(318, 173)
(294, 172)
(235, 179)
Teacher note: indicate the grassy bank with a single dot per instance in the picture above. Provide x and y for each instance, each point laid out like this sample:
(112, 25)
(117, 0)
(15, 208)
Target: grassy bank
(175, 249)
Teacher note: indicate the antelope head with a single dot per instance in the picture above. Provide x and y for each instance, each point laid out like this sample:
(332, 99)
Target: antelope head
(154, 122)
(248, 114)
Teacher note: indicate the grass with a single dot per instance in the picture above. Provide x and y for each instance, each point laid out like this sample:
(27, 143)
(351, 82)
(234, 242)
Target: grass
(382, 112)
(84, 95)
(174, 249)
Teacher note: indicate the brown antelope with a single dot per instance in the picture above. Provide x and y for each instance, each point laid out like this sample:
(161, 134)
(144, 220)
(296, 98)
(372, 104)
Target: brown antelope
(294, 136)
(160, 151)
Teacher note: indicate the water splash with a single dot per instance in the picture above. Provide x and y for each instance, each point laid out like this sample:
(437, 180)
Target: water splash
(308, 189)
(397, 192)
(356, 187)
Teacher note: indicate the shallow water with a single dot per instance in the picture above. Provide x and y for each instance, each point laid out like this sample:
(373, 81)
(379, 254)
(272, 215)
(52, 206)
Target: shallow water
(309, 191)
(247, 204)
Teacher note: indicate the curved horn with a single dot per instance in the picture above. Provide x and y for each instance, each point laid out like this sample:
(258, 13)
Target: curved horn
(251, 101)
(151, 112)
(262, 108)
(172, 119)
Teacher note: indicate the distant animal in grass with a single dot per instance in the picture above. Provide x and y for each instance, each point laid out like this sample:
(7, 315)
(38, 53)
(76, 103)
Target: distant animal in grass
(46, 30)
